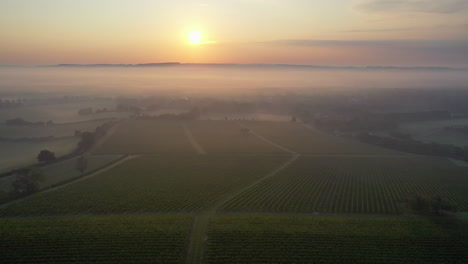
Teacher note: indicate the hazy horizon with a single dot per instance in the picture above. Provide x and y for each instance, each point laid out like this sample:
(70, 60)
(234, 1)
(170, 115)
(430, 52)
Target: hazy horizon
(193, 80)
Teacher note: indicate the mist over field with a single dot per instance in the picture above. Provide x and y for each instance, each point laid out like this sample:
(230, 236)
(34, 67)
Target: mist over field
(213, 80)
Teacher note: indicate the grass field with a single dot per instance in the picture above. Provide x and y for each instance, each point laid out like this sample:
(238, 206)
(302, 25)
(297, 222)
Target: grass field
(146, 137)
(301, 239)
(151, 184)
(300, 139)
(375, 185)
(89, 239)
(65, 130)
(227, 137)
(18, 154)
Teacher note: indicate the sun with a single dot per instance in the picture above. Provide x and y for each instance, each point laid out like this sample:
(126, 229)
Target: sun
(195, 37)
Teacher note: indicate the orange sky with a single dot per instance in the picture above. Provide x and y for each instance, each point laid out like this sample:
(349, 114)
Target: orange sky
(339, 32)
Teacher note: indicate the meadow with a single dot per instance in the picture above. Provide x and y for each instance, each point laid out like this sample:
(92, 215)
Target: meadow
(95, 239)
(151, 184)
(318, 239)
(18, 154)
(370, 185)
(147, 137)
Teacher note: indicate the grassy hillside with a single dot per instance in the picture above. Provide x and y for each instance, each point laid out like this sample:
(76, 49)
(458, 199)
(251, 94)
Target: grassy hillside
(151, 184)
(90, 239)
(301, 239)
(374, 185)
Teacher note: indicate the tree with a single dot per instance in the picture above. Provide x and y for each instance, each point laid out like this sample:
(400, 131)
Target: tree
(46, 156)
(28, 181)
(81, 164)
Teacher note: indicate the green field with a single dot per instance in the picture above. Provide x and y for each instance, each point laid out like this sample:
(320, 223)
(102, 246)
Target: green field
(205, 190)
(91, 239)
(354, 185)
(302, 239)
(300, 139)
(151, 184)
(19, 154)
(147, 137)
(227, 137)
(59, 130)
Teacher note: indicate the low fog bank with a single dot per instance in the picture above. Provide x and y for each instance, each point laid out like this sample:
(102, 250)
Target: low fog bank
(214, 81)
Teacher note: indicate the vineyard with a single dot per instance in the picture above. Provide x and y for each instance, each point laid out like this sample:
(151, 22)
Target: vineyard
(300, 139)
(147, 137)
(151, 184)
(90, 239)
(228, 137)
(302, 239)
(354, 185)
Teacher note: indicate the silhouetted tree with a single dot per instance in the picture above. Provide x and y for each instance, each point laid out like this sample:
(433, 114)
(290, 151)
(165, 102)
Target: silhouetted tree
(46, 156)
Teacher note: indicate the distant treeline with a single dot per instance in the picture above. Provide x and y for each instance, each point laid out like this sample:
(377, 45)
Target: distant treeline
(418, 116)
(34, 139)
(193, 114)
(21, 122)
(10, 103)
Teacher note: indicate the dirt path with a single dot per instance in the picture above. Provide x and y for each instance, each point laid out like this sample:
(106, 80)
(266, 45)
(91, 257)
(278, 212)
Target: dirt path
(267, 140)
(193, 141)
(112, 165)
(199, 234)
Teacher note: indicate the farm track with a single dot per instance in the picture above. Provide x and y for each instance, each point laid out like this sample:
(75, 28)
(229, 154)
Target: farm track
(193, 141)
(106, 168)
(268, 141)
(196, 250)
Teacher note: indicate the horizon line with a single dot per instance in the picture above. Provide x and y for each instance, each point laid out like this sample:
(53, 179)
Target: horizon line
(155, 64)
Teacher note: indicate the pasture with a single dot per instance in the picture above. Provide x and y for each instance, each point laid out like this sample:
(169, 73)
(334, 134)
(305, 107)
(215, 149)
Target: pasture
(94, 239)
(19, 154)
(317, 239)
(228, 137)
(151, 183)
(147, 137)
(303, 140)
(370, 185)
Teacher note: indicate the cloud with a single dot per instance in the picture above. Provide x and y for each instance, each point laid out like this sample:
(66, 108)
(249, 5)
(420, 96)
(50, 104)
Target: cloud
(440, 26)
(444, 46)
(411, 6)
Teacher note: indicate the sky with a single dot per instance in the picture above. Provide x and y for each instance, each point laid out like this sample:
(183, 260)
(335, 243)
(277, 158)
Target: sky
(317, 32)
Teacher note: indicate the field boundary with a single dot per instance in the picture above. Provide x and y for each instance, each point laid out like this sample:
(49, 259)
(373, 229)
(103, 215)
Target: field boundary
(199, 149)
(88, 175)
(198, 235)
